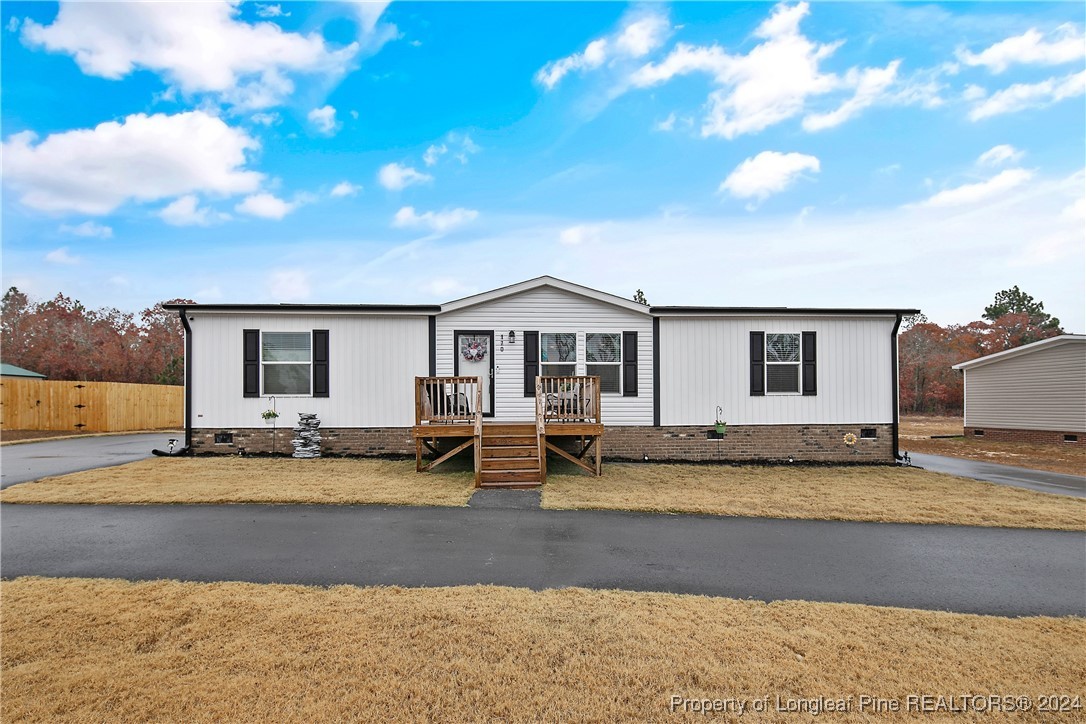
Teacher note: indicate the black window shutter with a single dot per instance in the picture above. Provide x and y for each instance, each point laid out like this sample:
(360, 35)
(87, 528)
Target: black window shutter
(531, 362)
(629, 364)
(757, 364)
(320, 363)
(810, 376)
(251, 358)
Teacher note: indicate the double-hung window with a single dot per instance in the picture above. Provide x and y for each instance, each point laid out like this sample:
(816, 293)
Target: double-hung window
(604, 358)
(287, 363)
(558, 354)
(782, 363)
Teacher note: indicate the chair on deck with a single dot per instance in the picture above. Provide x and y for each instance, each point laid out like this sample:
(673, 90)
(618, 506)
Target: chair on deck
(458, 404)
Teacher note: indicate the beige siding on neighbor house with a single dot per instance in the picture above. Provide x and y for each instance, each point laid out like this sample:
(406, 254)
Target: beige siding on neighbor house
(373, 360)
(1041, 390)
(705, 362)
(547, 309)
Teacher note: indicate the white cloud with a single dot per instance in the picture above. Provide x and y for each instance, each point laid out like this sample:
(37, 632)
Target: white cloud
(324, 119)
(640, 33)
(437, 221)
(433, 153)
(396, 177)
(200, 47)
(89, 229)
(580, 234)
(345, 188)
(265, 119)
(1065, 45)
(871, 85)
(61, 256)
(271, 11)
(998, 155)
(265, 206)
(143, 158)
(778, 79)
(667, 124)
(981, 191)
(290, 285)
(1023, 96)
(186, 211)
(13, 24)
(973, 92)
(768, 173)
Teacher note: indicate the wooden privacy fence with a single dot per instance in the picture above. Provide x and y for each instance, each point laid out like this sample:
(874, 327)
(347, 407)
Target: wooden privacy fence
(28, 404)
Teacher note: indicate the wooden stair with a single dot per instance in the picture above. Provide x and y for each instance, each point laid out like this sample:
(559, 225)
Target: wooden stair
(509, 456)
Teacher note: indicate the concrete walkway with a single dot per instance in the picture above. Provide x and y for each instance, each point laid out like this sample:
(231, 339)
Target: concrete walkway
(978, 570)
(1039, 480)
(33, 460)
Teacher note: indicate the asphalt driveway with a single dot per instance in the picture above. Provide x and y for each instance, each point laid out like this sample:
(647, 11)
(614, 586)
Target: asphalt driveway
(33, 460)
(1040, 480)
(977, 570)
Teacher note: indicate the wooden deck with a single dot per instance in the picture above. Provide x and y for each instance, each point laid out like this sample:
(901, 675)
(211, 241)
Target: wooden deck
(448, 420)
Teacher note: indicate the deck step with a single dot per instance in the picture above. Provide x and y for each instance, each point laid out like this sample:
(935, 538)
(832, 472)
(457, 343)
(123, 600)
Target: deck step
(510, 477)
(511, 451)
(504, 440)
(524, 463)
(512, 428)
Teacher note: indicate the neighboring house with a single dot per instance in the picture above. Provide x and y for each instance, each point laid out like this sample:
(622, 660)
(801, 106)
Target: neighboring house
(7, 370)
(792, 383)
(1033, 393)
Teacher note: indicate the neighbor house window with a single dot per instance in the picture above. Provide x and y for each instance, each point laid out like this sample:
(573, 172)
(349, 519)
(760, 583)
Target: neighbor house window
(782, 363)
(557, 354)
(605, 359)
(287, 362)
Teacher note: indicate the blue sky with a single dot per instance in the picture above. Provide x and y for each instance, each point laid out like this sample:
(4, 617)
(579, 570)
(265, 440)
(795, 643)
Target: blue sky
(831, 154)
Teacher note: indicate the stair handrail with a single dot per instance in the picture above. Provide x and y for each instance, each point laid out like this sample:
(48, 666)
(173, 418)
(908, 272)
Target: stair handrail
(478, 435)
(541, 428)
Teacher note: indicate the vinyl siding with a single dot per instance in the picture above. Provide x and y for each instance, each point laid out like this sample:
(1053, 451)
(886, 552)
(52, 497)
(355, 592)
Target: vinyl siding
(373, 360)
(705, 362)
(1041, 390)
(546, 309)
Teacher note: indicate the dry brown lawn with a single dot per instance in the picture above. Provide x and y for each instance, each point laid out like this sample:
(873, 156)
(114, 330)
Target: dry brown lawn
(104, 650)
(883, 494)
(916, 431)
(250, 480)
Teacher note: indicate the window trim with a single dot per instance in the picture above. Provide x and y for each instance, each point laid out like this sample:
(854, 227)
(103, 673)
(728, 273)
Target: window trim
(263, 393)
(575, 363)
(617, 363)
(798, 364)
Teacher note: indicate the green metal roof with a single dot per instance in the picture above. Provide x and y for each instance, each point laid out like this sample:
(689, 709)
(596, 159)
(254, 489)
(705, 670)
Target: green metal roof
(7, 370)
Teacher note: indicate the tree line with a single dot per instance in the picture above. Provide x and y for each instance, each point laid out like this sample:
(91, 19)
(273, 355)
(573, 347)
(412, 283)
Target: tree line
(926, 351)
(64, 340)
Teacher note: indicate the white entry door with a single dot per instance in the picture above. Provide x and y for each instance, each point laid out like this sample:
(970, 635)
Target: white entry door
(475, 358)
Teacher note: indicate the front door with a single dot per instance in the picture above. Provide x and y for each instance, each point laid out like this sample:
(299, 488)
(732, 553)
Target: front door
(475, 358)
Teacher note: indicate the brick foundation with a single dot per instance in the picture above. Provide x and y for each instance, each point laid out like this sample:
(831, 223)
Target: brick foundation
(374, 441)
(768, 443)
(1037, 437)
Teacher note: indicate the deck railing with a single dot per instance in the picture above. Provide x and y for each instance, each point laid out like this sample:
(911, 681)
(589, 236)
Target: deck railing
(448, 400)
(569, 399)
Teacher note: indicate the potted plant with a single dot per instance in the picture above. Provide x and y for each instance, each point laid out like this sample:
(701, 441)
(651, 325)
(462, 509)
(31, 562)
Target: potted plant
(269, 416)
(721, 425)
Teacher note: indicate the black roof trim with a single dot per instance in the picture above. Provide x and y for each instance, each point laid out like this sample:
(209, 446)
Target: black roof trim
(418, 308)
(781, 310)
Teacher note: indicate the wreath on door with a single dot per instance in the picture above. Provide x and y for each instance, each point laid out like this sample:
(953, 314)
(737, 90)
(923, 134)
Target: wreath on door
(473, 350)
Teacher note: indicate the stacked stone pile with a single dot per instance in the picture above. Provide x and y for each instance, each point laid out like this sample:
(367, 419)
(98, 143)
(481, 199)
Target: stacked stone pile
(307, 436)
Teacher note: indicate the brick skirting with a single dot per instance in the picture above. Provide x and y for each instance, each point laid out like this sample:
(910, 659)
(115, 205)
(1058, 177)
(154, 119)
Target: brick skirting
(373, 441)
(769, 443)
(1038, 437)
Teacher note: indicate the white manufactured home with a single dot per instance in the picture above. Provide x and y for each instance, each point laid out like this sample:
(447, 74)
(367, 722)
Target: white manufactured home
(546, 366)
(1033, 393)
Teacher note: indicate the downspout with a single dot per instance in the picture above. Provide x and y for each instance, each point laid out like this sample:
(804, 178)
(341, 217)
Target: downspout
(188, 378)
(894, 386)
